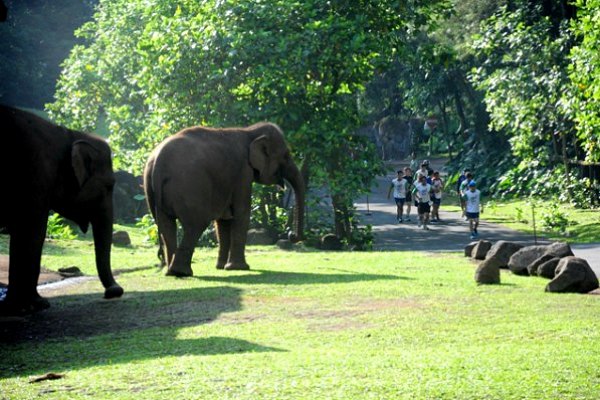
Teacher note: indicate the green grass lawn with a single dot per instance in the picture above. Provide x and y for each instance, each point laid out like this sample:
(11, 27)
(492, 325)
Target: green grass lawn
(302, 325)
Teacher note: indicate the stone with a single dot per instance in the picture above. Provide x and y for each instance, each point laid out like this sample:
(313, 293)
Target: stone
(259, 237)
(502, 250)
(469, 249)
(559, 249)
(70, 272)
(284, 244)
(488, 272)
(128, 197)
(548, 269)
(533, 267)
(519, 261)
(331, 242)
(121, 238)
(573, 275)
(481, 249)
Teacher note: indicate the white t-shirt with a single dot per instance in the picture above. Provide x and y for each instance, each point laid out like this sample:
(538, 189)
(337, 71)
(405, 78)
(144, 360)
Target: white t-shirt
(472, 199)
(437, 188)
(422, 192)
(399, 188)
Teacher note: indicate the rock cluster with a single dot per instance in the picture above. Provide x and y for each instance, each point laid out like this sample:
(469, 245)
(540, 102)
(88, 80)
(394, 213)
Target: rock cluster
(555, 261)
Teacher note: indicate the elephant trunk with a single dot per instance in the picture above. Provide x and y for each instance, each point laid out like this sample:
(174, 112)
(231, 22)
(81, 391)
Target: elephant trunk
(294, 177)
(102, 225)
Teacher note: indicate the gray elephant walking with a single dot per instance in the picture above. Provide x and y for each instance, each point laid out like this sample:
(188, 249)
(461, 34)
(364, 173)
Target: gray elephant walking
(46, 167)
(202, 174)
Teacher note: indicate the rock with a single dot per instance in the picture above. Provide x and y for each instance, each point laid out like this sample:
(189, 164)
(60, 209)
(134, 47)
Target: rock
(573, 275)
(502, 250)
(559, 249)
(259, 237)
(121, 238)
(284, 244)
(469, 249)
(488, 272)
(481, 249)
(548, 269)
(70, 272)
(533, 267)
(331, 242)
(128, 197)
(519, 261)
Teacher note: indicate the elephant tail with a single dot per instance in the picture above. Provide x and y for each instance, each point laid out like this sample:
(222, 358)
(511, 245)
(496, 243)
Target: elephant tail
(149, 187)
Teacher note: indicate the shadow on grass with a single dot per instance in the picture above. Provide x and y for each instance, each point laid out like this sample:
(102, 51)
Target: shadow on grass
(81, 331)
(266, 277)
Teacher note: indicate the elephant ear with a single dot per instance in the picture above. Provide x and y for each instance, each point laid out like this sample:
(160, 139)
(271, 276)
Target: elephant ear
(82, 154)
(259, 153)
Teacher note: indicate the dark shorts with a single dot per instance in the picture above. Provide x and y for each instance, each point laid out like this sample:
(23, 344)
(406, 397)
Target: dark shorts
(472, 215)
(399, 201)
(408, 197)
(437, 202)
(424, 208)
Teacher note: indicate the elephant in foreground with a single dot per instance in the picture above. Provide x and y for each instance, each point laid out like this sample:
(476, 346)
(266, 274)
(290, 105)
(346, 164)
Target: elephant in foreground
(46, 167)
(203, 174)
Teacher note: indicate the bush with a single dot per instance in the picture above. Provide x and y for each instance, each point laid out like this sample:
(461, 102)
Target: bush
(58, 228)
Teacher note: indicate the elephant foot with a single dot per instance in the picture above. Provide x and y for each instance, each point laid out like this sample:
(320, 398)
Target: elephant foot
(237, 266)
(220, 265)
(179, 272)
(10, 307)
(113, 291)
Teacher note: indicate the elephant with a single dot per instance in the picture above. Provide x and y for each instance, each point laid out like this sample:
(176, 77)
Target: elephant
(202, 174)
(46, 167)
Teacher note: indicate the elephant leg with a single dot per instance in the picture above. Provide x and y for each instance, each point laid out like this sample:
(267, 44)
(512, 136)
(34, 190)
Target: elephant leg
(167, 230)
(182, 261)
(224, 237)
(26, 244)
(237, 248)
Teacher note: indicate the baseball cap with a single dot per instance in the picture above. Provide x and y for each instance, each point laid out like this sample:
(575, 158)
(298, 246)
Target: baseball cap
(472, 183)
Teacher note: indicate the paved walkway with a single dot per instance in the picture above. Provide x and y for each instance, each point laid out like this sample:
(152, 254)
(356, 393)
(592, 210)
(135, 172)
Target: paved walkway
(452, 234)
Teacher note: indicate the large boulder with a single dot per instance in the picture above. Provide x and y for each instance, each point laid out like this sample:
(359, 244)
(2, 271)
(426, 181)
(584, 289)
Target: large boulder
(121, 238)
(559, 249)
(488, 272)
(128, 197)
(502, 250)
(573, 275)
(519, 261)
(481, 249)
(548, 269)
(469, 249)
(331, 242)
(533, 267)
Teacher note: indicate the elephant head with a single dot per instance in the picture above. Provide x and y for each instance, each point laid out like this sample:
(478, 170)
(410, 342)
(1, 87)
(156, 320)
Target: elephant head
(89, 201)
(272, 162)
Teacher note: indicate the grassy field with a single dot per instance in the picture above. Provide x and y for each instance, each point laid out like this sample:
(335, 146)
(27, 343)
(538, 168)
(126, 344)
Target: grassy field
(302, 325)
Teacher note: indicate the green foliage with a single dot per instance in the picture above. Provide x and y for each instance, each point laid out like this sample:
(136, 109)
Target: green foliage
(152, 67)
(148, 226)
(585, 75)
(59, 229)
(554, 219)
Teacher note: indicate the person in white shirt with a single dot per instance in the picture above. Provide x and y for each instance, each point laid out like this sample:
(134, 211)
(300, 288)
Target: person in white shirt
(472, 198)
(422, 193)
(398, 186)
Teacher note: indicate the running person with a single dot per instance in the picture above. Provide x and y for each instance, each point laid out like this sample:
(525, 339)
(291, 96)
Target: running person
(462, 188)
(422, 193)
(398, 185)
(473, 203)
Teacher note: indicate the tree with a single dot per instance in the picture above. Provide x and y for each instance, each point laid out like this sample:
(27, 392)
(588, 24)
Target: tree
(152, 67)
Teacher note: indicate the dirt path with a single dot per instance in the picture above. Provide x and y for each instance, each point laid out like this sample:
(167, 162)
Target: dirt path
(452, 234)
